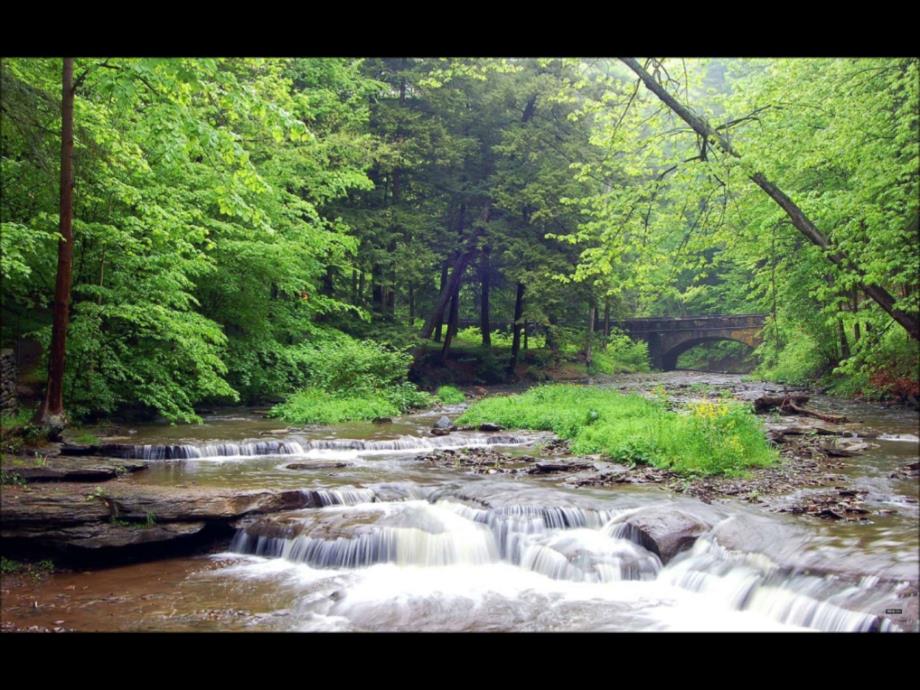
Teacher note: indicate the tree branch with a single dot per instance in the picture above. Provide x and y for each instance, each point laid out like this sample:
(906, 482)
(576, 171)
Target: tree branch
(802, 223)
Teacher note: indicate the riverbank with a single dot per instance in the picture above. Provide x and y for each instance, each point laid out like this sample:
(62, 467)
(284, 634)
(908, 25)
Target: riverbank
(192, 502)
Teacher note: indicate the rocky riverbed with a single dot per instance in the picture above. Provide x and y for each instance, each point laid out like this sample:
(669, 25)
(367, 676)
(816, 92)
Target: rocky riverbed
(238, 524)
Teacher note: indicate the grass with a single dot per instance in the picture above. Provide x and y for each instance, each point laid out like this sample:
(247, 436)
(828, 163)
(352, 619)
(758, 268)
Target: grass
(450, 395)
(36, 570)
(711, 438)
(12, 421)
(148, 523)
(316, 406)
(85, 438)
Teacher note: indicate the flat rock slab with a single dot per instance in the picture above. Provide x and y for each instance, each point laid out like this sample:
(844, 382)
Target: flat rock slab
(64, 504)
(315, 465)
(70, 469)
(105, 535)
(551, 468)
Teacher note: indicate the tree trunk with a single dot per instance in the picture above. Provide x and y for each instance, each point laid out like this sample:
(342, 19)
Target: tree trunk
(606, 321)
(842, 338)
(516, 328)
(551, 343)
(854, 302)
(801, 222)
(329, 281)
(525, 334)
(589, 340)
(437, 333)
(376, 289)
(484, 325)
(452, 319)
(390, 301)
(411, 304)
(453, 283)
(50, 415)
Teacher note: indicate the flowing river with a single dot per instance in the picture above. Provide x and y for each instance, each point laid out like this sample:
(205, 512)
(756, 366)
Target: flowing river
(398, 544)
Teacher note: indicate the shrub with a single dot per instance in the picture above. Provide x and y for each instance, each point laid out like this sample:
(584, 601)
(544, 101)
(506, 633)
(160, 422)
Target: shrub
(799, 363)
(450, 395)
(351, 380)
(316, 406)
(622, 355)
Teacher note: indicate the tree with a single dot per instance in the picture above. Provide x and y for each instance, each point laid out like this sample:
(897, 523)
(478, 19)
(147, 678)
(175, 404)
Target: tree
(50, 415)
(798, 218)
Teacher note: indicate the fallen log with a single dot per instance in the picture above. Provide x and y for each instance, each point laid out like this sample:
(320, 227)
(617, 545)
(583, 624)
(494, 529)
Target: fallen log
(793, 403)
(791, 407)
(768, 402)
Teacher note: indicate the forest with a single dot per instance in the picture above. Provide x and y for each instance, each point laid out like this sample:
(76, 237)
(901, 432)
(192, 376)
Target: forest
(235, 221)
(335, 241)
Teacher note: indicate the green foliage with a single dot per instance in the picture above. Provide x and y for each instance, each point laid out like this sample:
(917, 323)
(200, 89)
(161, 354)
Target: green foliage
(36, 570)
(622, 355)
(472, 337)
(198, 221)
(234, 217)
(86, 438)
(343, 363)
(148, 523)
(719, 355)
(316, 406)
(801, 361)
(882, 367)
(351, 380)
(13, 421)
(11, 478)
(450, 395)
(709, 439)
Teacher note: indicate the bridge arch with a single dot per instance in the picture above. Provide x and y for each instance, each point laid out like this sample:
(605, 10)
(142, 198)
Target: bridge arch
(668, 337)
(669, 358)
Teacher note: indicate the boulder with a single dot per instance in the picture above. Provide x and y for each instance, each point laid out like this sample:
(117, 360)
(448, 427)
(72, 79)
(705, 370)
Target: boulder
(443, 422)
(844, 447)
(663, 531)
(490, 427)
(440, 431)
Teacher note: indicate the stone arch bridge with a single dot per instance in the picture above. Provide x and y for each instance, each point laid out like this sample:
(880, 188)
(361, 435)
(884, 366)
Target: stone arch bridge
(670, 336)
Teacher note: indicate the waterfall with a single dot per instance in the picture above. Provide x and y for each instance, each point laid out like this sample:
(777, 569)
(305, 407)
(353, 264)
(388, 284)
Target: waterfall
(210, 450)
(585, 547)
(750, 582)
(319, 498)
(404, 444)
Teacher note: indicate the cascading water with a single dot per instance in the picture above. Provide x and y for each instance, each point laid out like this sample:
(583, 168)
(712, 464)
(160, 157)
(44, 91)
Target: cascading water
(404, 444)
(751, 582)
(388, 542)
(564, 544)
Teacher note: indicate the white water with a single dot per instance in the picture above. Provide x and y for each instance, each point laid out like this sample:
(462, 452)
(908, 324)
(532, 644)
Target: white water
(339, 448)
(905, 438)
(445, 565)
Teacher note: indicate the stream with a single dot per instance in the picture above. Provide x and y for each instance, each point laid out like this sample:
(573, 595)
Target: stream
(401, 545)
